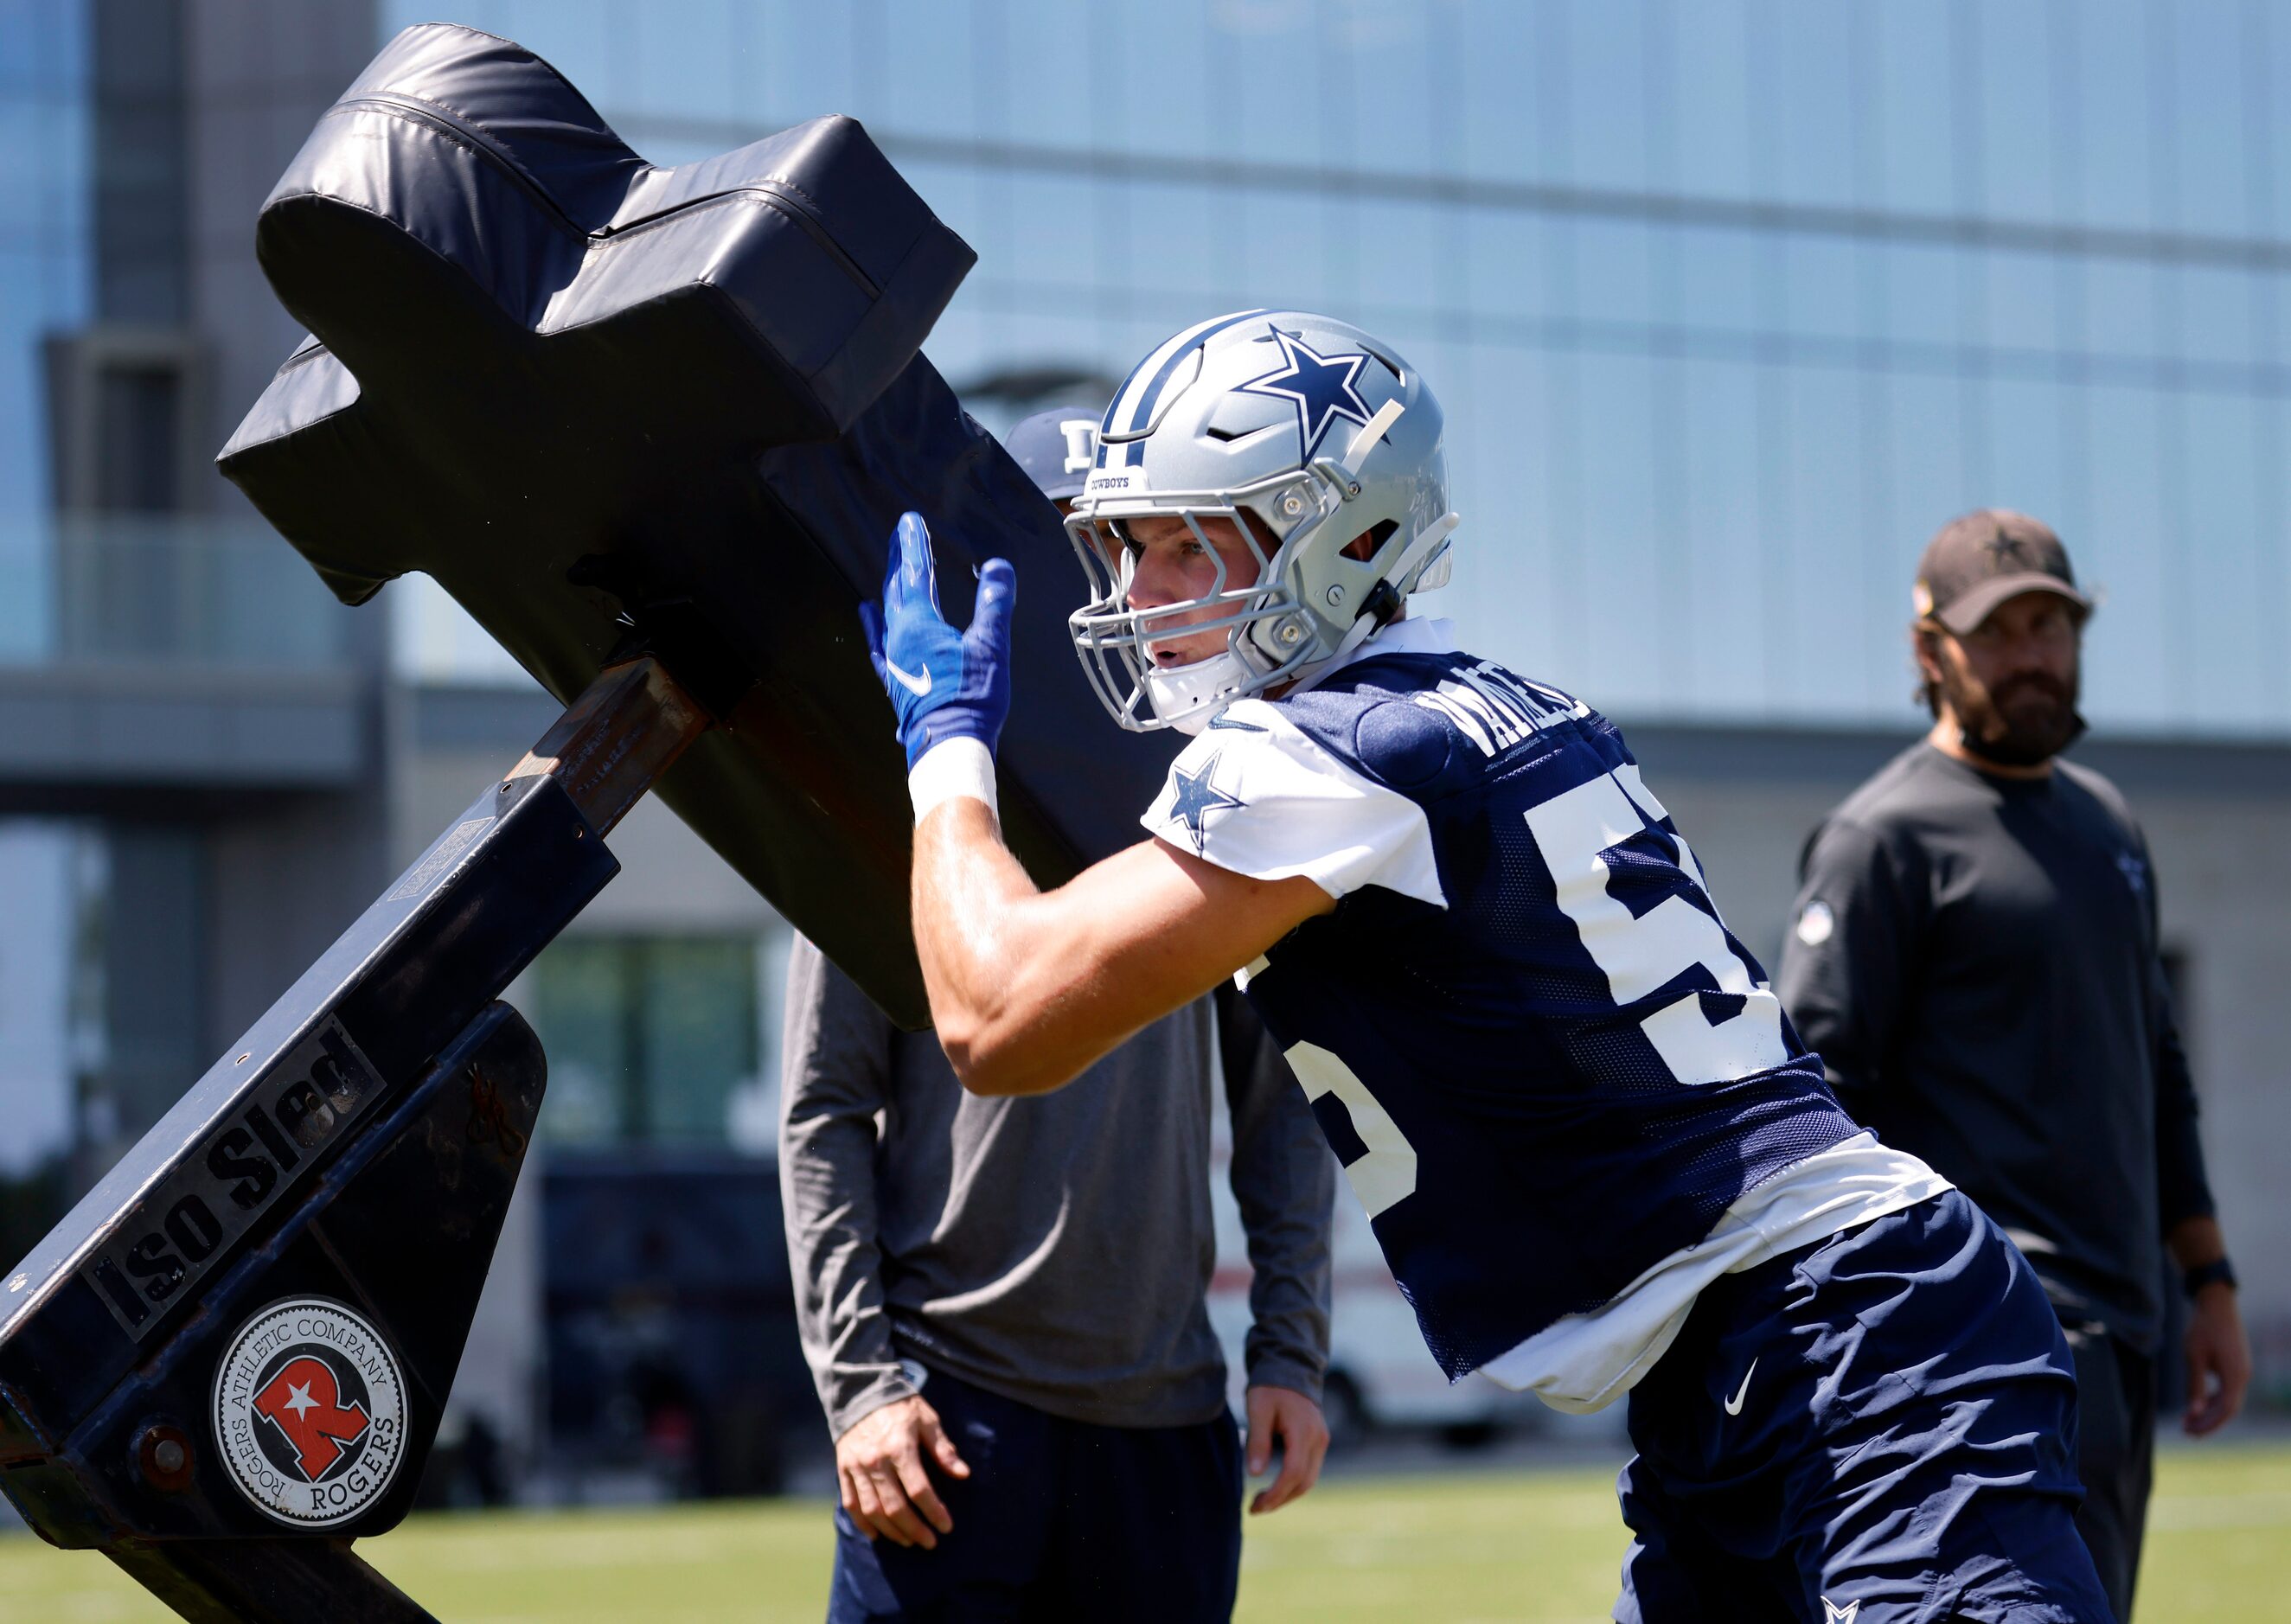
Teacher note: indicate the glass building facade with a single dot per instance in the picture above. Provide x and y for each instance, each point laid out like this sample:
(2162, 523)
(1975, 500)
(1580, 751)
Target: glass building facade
(1730, 303)
(47, 282)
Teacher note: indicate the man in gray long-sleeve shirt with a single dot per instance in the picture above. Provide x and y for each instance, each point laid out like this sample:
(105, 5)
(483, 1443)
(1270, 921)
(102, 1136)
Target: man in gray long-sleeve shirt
(1010, 1293)
(1975, 959)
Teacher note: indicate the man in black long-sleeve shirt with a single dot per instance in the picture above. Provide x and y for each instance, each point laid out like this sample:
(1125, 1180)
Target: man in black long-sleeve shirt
(1974, 957)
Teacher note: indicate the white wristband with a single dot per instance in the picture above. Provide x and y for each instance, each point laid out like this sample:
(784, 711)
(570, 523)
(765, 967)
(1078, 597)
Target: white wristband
(958, 767)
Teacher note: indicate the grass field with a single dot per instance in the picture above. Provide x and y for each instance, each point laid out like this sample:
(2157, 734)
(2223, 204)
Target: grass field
(1458, 1549)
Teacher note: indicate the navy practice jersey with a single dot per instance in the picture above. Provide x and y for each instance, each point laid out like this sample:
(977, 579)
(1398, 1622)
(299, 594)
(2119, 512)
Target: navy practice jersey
(1546, 1064)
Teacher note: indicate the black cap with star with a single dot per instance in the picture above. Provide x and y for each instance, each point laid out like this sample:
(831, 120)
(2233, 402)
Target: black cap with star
(1985, 557)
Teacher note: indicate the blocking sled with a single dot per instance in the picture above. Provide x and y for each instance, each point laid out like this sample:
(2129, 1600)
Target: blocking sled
(653, 429)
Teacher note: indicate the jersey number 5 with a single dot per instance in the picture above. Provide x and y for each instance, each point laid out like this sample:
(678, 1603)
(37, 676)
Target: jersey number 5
(1387, 1173)
(1575, 831)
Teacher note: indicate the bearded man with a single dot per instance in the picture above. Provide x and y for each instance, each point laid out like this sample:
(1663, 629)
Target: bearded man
(1974, 957)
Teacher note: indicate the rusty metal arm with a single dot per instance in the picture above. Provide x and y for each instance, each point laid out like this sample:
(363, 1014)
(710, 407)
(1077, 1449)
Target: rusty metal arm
(611, 743)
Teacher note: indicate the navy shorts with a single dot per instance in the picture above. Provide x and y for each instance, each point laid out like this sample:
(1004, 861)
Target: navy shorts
(1058, 1521)
(1879, 1429)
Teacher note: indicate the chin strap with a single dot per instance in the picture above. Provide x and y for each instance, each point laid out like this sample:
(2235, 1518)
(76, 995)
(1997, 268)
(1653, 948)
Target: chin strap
(1385, 602)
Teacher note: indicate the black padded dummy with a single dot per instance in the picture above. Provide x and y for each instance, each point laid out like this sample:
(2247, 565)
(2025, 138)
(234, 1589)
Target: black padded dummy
(605, 403)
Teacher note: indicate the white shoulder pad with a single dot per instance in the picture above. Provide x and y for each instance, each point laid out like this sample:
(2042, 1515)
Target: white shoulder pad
(1253, 794)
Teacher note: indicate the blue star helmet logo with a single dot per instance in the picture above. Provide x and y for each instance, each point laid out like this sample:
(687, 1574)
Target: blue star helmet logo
(1321, 387)
(1196, 798)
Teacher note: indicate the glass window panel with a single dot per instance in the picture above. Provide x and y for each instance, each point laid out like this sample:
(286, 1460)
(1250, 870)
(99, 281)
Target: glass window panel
(46, 46)
(41, 153)
(2114, 121)
(1042, 91)
(2023, 294)
(1671, 604)
(1816, 119)
(1516, 482)
(1275, 115)
(1822, 663)
(745, 69)
(2223, 591)
(576, 995)
(2209, 169)
(1618, 570)
(1400, 247)
(2272, 526)
(1916, 92)
(2016, 69)
(1710, 71)
(1921, 292)
(1719, 283)
(1612, 271)
(2271, 48)
(1726, 563)
(1925, 421)
(700, 1023)
(649, 1038)
(28, 588)
(2120, 307)
(1507, 262)
(807, 68)
(1387, 50)
(1889, 541)
(2215, 313)
(1825, 285)
(687, 60)
(1052, 226)
(1155, 83)
(1500, 81)
(1283, 264)
(1606, 93)
(2027, 472)
(2126, 679)
(1175, 244)
(927, 75)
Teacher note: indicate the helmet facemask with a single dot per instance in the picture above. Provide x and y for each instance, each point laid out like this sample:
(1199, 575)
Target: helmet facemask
(1269, 640)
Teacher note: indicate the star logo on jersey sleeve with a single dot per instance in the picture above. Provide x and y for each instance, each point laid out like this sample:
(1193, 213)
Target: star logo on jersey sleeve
(1321, 387)
(1196, 798)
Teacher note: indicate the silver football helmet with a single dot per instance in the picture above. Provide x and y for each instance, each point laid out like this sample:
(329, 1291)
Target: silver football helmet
(1317, 433)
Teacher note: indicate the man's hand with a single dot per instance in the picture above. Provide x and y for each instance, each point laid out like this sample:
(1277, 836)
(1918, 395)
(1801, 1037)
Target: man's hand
(886, 1489)
(2219, 1360)
(943, 684)
(1285, 1419)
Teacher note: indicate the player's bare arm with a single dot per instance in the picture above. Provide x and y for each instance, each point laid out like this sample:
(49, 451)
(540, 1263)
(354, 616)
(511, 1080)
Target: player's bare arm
(1027, 987)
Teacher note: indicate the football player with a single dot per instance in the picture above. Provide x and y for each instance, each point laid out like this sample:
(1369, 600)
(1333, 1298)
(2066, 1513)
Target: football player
(1597, 1158)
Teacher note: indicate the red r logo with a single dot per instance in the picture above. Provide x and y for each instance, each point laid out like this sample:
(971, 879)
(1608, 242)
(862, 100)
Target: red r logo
(304, 1402)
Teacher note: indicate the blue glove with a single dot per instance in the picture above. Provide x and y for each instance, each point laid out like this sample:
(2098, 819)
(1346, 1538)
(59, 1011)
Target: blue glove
(943, 684)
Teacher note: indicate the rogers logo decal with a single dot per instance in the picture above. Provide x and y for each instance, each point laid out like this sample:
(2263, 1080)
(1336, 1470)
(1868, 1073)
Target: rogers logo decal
(309, 1412)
